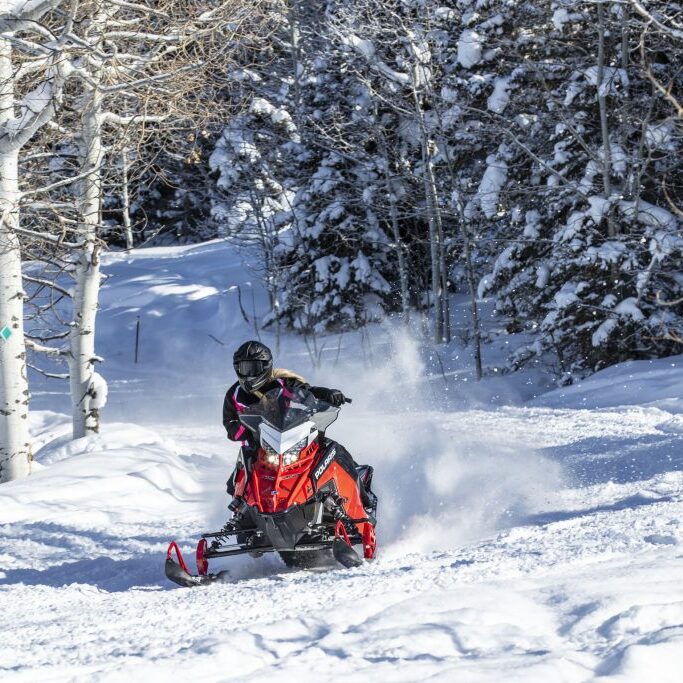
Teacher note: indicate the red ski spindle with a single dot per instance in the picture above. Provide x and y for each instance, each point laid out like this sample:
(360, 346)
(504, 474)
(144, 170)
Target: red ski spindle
(340, 532)
(202, 562)
(174, 546)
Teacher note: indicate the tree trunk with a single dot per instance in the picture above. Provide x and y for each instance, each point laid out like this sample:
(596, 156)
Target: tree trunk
(602, 106)
(400, 255)
(395, 230)
(433, 217)
(469, 267)
(15, 446)
(444, 306)
(469, 273)
(125, 200)
(87, 274)
(434, 258)
(294, 47)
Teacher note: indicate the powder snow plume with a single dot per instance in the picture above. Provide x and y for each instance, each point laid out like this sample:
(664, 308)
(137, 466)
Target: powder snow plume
(441, 482)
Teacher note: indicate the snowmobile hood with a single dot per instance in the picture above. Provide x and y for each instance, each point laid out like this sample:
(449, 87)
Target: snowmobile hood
(281, 442)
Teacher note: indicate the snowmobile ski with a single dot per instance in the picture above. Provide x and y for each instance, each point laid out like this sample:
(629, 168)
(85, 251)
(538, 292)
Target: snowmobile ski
(179, 573)
(342, 550)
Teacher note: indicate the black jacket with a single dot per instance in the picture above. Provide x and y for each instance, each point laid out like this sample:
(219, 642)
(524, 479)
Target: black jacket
(236, 395)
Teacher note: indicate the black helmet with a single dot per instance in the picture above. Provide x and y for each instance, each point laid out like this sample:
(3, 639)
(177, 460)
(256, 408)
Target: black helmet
(253, 363)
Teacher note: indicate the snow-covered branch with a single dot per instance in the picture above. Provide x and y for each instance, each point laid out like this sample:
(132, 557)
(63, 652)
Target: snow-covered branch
(653, 18)
(47, 350)
(47, 283)
(18, 15)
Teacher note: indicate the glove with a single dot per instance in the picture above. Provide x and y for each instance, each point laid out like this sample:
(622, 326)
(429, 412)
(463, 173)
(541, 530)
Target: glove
(336, 398)
(332, 396)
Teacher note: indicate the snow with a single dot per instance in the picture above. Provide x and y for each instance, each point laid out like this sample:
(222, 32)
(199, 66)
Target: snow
(560, 18)
(599, 207)
(573, 226)
(450, 95)
(506, 260)
(367, 50)
(542, 276)
(591, 171)
(659, 135)
(611, 76)
(33, 104)
(619, 159)
(525, 542)
(364, 47)
(567, 295)
(469, 48)
(602, 334)
(533, 224)
(649, 214)
(607, 252)
(484, 285)
(277, 115)
(648, 385)
(629, 308)
(100, 390)
(498, 99)
(574, 88)
(20, 7)
(491, 184)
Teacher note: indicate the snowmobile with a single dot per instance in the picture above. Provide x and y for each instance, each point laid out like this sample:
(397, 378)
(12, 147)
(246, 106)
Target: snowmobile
(297, 494)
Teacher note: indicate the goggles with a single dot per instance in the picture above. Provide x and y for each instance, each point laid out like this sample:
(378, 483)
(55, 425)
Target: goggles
(250, 368)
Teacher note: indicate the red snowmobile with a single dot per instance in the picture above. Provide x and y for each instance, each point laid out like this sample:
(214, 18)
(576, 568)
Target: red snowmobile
(299, 495)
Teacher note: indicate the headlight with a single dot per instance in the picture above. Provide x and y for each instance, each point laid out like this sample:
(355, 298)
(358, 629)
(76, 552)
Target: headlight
(271, 456)
(292, 454)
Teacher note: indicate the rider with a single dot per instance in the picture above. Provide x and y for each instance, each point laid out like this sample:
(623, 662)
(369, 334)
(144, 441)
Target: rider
(253, 363)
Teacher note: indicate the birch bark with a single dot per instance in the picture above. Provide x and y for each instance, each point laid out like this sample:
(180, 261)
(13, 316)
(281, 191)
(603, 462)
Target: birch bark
(85, 417)
(15, 444)
(125, 200)
(15, 447)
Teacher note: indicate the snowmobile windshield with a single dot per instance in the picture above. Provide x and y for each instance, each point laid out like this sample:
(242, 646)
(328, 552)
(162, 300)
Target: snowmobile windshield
(284, 409)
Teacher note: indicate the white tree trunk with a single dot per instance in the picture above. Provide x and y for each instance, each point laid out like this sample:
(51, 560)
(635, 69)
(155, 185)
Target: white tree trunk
(85, 416)
(15, 446)
(125, 199)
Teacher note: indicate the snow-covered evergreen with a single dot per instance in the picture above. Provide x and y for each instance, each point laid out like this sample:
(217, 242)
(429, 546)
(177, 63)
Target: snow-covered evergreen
(593, 244)
(385, 155)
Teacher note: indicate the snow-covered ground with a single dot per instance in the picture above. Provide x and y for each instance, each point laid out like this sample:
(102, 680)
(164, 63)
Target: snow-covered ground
(537, 541)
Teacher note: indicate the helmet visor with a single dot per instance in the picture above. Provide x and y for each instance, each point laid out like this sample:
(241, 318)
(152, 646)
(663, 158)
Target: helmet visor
(250, 368)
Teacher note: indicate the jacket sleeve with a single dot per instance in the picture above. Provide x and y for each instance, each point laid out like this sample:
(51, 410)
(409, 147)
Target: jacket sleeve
(322, 393)
(235, 429)
(293, 383)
